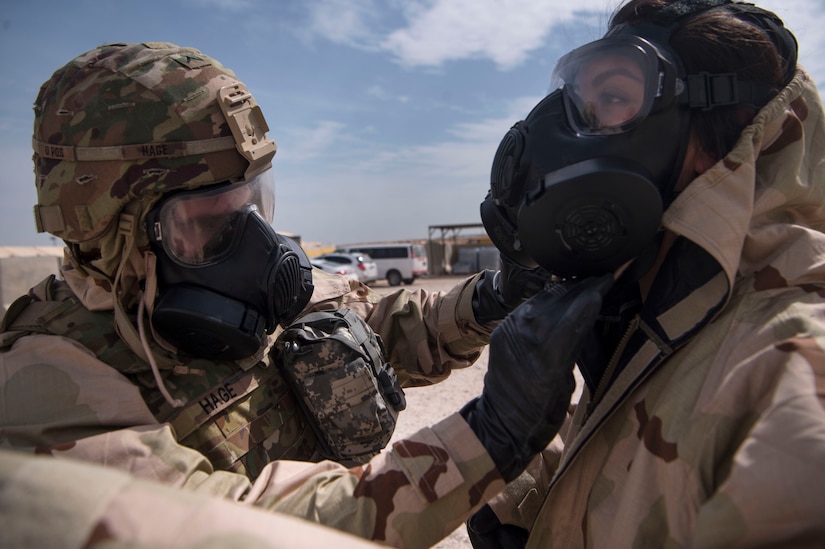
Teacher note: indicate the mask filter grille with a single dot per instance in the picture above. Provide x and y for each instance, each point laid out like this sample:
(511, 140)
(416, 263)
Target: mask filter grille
(589, 218)
(591, 228)
(286, 287)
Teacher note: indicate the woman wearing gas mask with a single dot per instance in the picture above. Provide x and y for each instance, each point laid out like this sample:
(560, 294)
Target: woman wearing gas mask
(702, 422)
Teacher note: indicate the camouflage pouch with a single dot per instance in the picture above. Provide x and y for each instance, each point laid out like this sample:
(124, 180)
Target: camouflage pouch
(335, 364)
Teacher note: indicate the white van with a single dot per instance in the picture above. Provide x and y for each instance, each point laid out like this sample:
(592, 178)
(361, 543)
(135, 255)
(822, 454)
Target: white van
(396, 262)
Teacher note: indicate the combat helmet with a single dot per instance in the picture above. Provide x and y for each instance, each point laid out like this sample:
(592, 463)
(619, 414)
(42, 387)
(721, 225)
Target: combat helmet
(115, 130)
(124, 124)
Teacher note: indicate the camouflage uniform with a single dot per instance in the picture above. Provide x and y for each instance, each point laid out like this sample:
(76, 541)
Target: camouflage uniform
(713, 432)
(75, 379)
(90, 506)
(261, 421)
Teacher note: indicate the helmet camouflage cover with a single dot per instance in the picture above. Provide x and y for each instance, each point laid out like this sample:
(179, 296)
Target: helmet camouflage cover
(131, 122)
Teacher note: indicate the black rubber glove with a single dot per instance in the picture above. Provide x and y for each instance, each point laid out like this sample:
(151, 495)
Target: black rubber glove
(529, 377)
(499, 292)
(486, 532)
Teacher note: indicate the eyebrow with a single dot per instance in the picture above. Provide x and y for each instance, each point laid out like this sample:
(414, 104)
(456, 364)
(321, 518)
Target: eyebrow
(613, 72)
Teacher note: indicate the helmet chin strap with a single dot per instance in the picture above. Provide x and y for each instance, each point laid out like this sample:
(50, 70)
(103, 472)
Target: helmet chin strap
(147, 299)
(174, 402)
(146, 304)
(136, 338)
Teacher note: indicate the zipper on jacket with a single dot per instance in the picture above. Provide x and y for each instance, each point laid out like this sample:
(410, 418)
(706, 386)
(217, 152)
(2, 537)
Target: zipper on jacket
(604, 380)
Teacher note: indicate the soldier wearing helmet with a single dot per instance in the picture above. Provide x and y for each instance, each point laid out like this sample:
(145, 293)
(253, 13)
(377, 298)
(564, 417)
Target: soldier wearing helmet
(690, 130)
(153, 165)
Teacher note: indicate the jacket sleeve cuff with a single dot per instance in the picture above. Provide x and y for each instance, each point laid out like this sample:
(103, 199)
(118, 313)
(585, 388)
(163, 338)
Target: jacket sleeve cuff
(460, 331)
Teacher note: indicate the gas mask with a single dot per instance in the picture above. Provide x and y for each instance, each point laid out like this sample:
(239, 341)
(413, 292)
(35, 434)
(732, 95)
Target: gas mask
(225, 277)
(579, 186)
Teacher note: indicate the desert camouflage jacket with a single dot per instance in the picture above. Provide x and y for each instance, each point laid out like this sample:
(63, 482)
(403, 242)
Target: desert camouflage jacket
(711, 431)
(60, 399)
(73, 504)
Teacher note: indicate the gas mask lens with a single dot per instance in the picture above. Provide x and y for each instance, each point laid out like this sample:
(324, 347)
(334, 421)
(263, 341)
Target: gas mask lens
(202, 226)
(608, 85)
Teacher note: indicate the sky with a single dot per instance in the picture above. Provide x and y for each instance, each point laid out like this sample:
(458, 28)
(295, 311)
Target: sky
(386, 113)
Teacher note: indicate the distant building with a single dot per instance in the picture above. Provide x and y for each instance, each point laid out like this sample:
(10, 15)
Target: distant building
(459, 249)
(21, 267)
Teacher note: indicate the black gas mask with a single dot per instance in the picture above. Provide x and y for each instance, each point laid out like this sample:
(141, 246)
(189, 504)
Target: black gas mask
(579, 186)
(225, 277)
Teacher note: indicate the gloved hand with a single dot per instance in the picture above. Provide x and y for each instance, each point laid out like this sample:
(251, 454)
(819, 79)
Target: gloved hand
(529, 377)
(486, 532)
(499, 292)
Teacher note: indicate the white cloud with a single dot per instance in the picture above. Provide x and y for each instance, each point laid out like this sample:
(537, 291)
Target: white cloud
(466, 154)
(505, 31)
(305, 144)
(393, 192)
(379, 92)
(350, 22)
(228, 5)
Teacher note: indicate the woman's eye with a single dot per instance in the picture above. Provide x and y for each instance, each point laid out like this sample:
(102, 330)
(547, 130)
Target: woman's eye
(610, 98)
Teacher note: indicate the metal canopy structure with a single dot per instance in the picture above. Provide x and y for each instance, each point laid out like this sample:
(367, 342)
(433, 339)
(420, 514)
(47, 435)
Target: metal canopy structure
(445, 241)
(452, 231)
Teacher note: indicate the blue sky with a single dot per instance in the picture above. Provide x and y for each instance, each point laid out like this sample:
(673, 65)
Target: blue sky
(386, 113)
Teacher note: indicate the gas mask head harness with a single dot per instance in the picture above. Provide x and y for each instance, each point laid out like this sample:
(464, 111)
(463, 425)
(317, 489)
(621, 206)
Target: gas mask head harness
(225, 276)
(579, 186)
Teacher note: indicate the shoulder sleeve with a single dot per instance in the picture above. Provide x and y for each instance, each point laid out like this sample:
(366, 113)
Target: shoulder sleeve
(773, 487)
(64, 503)
(55, 392)
(412, 494)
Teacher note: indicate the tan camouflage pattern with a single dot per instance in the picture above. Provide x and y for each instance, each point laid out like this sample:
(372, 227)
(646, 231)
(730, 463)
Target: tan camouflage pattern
(82, 394)
(120, 94)
(61, 400)
(154, 94)
(411, 495)
(241, 415)
(69, 504)
(721, 445)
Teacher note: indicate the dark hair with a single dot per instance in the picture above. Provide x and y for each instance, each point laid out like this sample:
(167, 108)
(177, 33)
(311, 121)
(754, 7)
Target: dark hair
(716, 41)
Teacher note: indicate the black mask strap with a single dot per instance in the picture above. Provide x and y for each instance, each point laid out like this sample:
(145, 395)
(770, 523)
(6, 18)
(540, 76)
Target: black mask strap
(783, 39)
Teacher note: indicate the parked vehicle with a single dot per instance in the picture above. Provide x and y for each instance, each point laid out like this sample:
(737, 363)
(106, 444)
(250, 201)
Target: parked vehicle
(363, 264)
(347, 271)
(396, 262)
